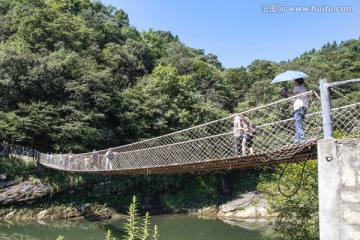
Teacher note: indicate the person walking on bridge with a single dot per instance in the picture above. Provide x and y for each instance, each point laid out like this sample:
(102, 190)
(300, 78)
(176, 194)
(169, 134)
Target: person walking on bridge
(250, 132)
(300, 105)
(238, 131)
(94, 159)
(109, 155)
(300, 101)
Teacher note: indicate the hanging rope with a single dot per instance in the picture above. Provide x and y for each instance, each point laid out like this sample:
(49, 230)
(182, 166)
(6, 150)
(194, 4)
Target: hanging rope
(297, 187)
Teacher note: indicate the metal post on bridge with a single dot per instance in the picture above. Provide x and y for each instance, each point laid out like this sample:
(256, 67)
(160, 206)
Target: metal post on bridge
(326, 108)
(326, 103)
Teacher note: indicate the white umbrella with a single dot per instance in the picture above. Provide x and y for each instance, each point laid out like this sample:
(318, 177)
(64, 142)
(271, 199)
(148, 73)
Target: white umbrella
(289, 75)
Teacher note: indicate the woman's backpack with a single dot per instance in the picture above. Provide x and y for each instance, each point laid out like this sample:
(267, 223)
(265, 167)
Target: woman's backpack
(252, 127)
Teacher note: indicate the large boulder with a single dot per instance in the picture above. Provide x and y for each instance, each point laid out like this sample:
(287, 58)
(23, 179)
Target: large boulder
(23, 192)
(249, 206)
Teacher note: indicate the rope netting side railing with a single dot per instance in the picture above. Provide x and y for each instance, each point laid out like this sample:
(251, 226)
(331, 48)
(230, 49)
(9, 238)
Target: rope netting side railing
(345, 115)
(18, 151)
(204, 143)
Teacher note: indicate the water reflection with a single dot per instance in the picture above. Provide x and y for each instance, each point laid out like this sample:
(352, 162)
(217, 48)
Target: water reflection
(171, 227)
(50, 230)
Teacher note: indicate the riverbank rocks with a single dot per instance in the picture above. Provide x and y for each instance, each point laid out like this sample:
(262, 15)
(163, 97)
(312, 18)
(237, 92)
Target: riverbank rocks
(4, 183)
(248, 207)
(211, 212)
(30, 191)
(23, 192)
(91, 213)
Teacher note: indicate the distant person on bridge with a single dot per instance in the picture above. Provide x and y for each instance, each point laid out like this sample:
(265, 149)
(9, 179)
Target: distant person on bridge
(94, 159)
(70, 160)
(238, 131)
(300, 105)
(109, 155)
(250, 132)
(61, 160)
(51, 157)
(47, 158)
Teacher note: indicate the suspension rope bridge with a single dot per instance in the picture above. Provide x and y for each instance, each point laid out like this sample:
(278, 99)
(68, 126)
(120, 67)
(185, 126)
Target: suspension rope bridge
(210, 146)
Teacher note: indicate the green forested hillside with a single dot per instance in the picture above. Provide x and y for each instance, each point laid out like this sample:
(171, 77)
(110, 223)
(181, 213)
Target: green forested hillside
(75, 75)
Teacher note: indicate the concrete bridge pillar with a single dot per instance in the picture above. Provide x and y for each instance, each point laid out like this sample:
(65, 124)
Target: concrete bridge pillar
(339, 189)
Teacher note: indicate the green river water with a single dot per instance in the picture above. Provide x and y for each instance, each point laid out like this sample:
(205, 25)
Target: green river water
(171, 227)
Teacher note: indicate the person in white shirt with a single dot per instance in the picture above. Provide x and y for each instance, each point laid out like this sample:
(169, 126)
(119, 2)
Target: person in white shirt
(300, 106)
(109, 155)
(238, 132)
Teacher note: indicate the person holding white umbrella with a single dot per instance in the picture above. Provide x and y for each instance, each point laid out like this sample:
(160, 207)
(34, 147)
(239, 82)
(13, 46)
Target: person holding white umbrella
(300, 106)
(300, 102)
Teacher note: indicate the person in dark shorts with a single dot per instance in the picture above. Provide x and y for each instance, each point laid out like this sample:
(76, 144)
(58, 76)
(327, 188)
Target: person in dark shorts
(250, 132)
